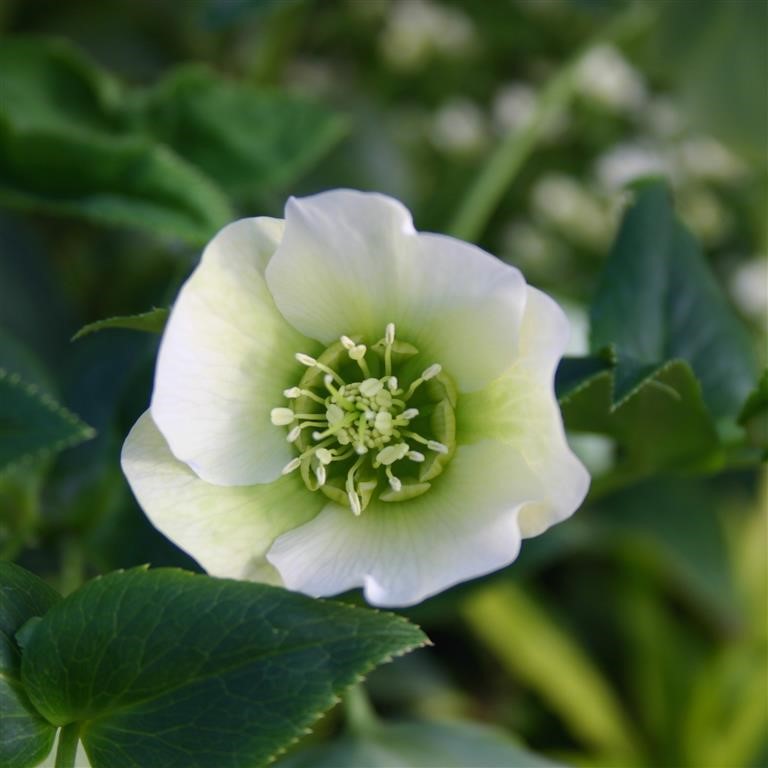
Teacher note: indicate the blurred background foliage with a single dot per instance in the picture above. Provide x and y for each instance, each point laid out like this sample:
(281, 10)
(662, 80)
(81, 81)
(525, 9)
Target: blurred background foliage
(636, 633)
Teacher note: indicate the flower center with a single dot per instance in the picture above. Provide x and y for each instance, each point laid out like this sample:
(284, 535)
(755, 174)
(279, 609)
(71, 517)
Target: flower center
(366, 420)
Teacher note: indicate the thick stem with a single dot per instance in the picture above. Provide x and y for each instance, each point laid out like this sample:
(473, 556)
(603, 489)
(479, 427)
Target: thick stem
(69, 736)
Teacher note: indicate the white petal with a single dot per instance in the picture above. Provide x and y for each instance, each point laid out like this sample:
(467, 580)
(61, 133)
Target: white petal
(225, 358)
(227, 529)
(351, 262)
(463, 527)
(520, 410)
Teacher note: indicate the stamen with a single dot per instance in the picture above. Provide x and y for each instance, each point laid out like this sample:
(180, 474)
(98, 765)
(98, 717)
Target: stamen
(354, 503)
(292, 393)
(346, 342)
(433, 445)
(394, 482)
(294, 434)
(409, 413)
(324, 456)
(282, 417)
(416, 456)
(292, 465)
(371, 387)
(432, 371)
(307, 360)
(389, 334)
(320, 474)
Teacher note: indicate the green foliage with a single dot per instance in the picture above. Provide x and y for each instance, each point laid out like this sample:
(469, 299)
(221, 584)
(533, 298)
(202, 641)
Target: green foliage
(245, 138)
(25, 737)
(75, 142)
(534, 649)
(419, 744)
(33, 423)
(164, 667)
(152, 321)
(657, 302)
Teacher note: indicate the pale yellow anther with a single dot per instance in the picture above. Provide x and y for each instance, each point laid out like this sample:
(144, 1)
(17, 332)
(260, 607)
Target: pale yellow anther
(334, 414)
(354, 503)
(346, 342)
(293, 435)
(383, 422)
(416, 456)
(433, 445)
(291, 466)
(281, 417)
(320, 474)
(391, 454)
(370, 387)
(307, 360)
(389, 334)
(358, 352)
(324, 456)
(432, 371)
(409, 413)
(292, 393)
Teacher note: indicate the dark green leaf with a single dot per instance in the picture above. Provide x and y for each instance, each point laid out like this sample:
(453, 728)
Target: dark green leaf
(573, 373)
(660, 422)
(754, 414)
(152, 321)
(657, 301)
(245, 138)
(32, 423)
(25, 737)
(420, 745)
(169, 668)
(65, 149)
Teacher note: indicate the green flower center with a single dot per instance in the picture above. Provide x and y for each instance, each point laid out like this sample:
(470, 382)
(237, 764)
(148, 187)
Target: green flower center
(367, 420)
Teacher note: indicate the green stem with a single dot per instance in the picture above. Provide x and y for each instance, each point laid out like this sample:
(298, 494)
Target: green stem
(69, 736)
(504, 163)
(361, 716)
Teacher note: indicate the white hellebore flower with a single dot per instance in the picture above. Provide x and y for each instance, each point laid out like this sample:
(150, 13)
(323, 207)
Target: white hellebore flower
(342, 401)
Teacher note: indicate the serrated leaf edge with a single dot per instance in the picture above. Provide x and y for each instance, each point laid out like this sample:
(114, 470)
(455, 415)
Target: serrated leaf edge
(85, 432)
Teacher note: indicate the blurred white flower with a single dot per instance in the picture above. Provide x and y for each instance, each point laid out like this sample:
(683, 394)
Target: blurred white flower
(749, 288)
(703, 157)
(342, 401)
(623, 163)
(567, 205)
(704, 214)
(606, 77)
(416, 29)
(513, 106)
(459, 126)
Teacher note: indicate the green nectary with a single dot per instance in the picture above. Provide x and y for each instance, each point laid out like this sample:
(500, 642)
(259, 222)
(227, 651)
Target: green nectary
(369, 420)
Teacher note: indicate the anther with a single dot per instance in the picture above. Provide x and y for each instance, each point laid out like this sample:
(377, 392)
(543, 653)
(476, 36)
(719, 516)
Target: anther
(281, 417)
(354, 503)
(307, 360)
(389, 334)
(293, 434)
(416, 456)
(394, 482)
(324, 456)
(291, 466)
(392, 383)
(370, 387)
(432, 371)
(346, 342)
(292, 393)
(320, 474)
(433, 445)
(409, 413)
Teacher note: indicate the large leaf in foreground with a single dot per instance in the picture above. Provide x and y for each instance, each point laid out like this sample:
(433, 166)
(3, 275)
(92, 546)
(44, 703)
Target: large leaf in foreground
(32, 423)
(657, 301)
(25, 737)
(168, 668)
